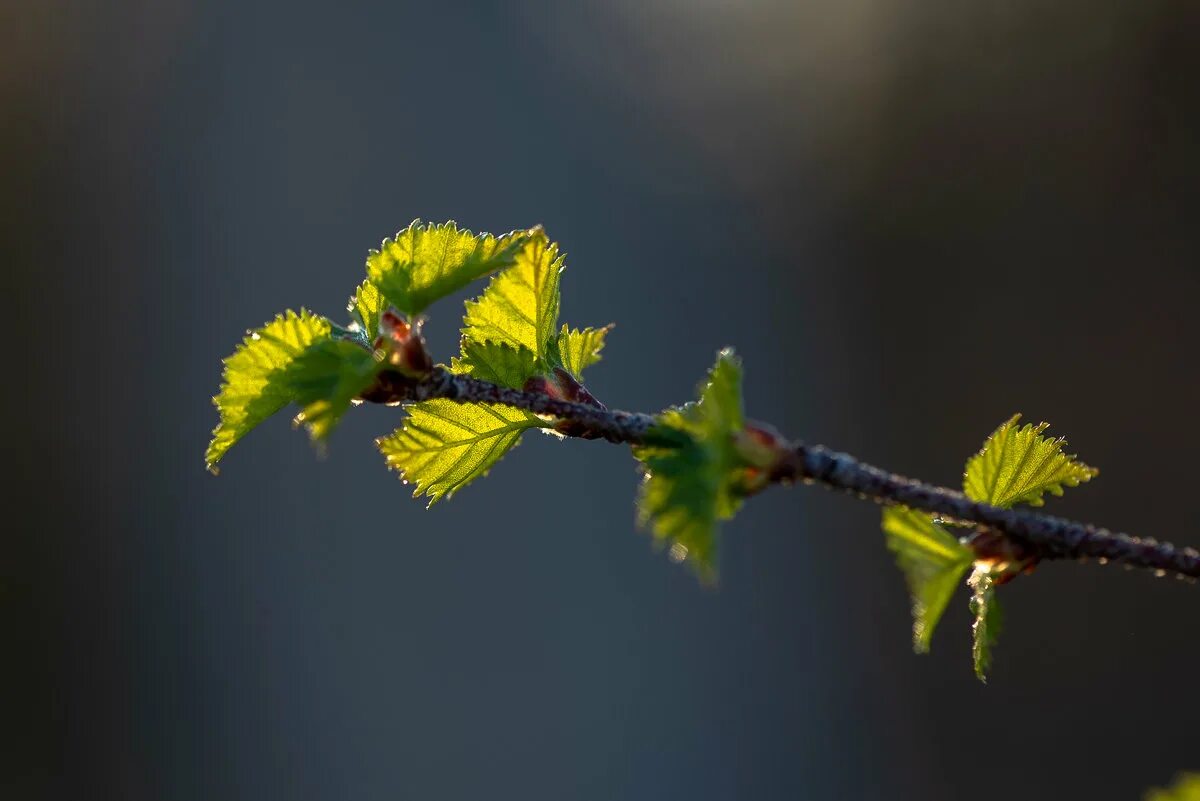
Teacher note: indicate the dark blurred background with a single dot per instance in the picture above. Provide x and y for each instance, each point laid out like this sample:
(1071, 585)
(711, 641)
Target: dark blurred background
(911, 218)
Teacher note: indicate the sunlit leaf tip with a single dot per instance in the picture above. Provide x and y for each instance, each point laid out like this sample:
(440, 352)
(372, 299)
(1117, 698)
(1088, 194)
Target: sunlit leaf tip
(933, 562)
(988, 619)
(427, 261)
(1018, 465)
(690, 473)
(365, 307)
(444, 445)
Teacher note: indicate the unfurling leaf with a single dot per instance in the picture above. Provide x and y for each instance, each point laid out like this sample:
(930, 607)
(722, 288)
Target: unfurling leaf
(444, 445)
(491, 361)
(365, 308)
(520, 306)
(259, 377)
(987, 623)
(933, 562)
(425, 262)
(690, 473)
(1017, 465)
(1185, 788)
(578, 350)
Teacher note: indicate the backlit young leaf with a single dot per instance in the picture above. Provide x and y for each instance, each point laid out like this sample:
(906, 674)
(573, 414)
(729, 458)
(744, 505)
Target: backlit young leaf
(365, 308)
(259, 377)
(293, 359)
(491, 361)
(1017, 465)
(444, 445)
(425, 262)
(933, 562)
(690, 472)
(520, 306)
(1185, 788)
(327, 378)
(987, 623)
(577, 350)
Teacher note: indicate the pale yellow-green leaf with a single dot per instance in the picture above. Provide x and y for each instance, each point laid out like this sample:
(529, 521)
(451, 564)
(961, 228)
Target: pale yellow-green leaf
(1018, 465)
(365, 308)
(520, 306)
(425, 262)
(258, 377)
(987, 623)
(578, 350)
(689, 474)
(933, 562)
(444, 445)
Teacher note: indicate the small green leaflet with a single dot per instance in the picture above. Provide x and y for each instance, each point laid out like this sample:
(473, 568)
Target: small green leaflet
(578, 350)
(328, 377)
(689, 477)
(291, 359)
(933, 562)
(365, 308)
(491, 361)
(444, 445)
(987, 623)
(425, 262)
(1185, 788)
(1017, 465)
(520, 306)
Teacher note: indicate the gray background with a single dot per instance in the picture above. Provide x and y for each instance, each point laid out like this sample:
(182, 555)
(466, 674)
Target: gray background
(912, 219)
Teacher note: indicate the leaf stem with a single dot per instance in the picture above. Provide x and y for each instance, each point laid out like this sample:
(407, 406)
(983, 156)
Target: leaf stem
(1045, 536)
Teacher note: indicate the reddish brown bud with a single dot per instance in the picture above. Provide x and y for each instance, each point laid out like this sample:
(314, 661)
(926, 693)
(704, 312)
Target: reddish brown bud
(1005, 558)
(405, 344)
(572, 390)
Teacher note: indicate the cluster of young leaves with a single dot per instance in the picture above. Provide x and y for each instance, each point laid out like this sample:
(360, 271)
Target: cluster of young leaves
(306, 360)
(1015, 465)
(510, 336)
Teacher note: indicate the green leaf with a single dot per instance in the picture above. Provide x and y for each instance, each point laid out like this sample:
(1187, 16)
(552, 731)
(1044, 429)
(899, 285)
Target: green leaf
(292, 359)
(690, 471)
(520, 306)
(327, 378)
(425, 262)
(259, 377)
(1185, 788)
(933, 562)
(1018, 465)
(366, 307)
(445, 445)
(491, 361)
(987, 623)
(577, 350)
